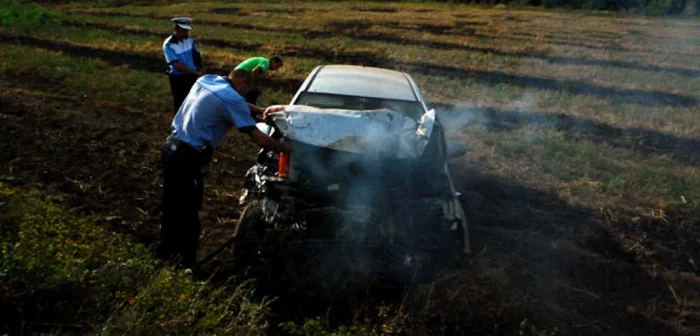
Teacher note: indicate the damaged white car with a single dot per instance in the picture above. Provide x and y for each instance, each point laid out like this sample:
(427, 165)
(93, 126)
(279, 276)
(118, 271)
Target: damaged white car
(366, 186)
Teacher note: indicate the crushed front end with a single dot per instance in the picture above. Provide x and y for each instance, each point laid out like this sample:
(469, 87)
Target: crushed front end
(371, 195)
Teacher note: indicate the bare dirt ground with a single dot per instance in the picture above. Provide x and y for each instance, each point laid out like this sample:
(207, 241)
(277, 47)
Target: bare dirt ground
(538, 261)
(89, 159)
(541, 265)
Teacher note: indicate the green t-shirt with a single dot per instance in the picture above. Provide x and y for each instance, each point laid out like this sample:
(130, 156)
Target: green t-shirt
(254, 62)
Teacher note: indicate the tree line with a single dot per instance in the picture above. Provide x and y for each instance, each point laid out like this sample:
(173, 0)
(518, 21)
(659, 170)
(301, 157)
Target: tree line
(649, 7)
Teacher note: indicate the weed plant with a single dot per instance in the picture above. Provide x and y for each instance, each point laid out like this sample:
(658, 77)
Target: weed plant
(60, 272)
(23, 17)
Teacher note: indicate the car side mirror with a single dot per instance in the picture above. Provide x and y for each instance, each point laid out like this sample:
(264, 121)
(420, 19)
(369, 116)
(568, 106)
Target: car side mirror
(455, 149)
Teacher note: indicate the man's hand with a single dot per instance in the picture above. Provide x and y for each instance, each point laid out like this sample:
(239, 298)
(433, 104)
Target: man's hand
(272, 109)
(178, 65)
(266, 142)
(256, 112)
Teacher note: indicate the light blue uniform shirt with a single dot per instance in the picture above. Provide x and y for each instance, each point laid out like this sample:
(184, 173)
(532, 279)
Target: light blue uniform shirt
(183, 52)
(211, 109)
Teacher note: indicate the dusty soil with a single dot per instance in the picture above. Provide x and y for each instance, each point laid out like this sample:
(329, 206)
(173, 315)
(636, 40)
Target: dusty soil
(539, 262)
(102, 160)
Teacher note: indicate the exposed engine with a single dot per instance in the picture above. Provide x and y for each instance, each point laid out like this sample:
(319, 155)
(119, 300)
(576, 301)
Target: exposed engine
(381, 199)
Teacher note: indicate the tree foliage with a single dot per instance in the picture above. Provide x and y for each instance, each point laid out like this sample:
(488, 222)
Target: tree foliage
(650, 7)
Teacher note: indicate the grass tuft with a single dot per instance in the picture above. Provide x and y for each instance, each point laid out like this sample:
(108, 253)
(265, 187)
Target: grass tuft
(59, 271)
(22, 17)
(314, 326)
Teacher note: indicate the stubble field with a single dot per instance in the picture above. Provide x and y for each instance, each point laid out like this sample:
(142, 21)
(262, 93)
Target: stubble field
(581, 179)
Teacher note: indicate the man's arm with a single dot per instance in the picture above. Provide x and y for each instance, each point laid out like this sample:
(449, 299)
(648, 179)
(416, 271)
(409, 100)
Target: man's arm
(239, 115)
(171, 59)
(268, 143)
(256, 111)
(178, 65)
(255, 74)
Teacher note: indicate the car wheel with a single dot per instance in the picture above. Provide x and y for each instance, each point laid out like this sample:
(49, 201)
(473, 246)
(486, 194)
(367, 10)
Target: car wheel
(249, 233)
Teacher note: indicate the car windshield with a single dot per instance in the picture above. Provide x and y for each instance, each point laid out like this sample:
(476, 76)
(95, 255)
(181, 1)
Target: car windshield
(411, 109)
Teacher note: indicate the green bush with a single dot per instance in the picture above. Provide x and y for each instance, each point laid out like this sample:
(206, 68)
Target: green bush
(23, 17)
(59, 271)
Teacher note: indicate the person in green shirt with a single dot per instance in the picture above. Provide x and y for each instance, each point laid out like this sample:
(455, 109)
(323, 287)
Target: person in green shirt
(257, 66)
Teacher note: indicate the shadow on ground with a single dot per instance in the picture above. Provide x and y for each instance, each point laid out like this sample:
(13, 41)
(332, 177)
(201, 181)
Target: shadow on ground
(103, 160)
(646, 142)
(540, 263)
(537, 258)
(613, 94)
(359, 29)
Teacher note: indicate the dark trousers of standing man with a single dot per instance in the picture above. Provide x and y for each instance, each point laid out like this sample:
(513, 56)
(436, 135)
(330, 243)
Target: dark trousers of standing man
(180, 86)
(183, 190)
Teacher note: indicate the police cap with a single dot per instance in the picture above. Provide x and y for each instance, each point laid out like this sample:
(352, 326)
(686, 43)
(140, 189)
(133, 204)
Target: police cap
(183, 22)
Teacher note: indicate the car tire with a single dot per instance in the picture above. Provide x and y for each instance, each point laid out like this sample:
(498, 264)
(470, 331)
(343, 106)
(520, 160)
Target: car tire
(249, 234)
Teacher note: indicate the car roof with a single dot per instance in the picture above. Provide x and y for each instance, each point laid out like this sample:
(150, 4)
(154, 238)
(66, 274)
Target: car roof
(363, 81)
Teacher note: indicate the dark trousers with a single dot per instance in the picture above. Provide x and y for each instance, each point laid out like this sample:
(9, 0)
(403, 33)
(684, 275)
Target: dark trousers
(180, 86)
(183, 190)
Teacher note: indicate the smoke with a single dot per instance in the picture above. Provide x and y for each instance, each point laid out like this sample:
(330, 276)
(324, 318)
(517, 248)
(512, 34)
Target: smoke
(520, 114)
(456, 118)
(370, 189)
(382, 208)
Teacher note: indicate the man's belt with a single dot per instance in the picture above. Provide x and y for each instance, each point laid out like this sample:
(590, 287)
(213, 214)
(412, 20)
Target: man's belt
(174, 144)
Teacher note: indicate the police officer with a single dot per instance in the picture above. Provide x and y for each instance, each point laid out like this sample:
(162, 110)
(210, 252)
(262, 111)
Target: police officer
(183, 58)
(258, 66)
(213, 106)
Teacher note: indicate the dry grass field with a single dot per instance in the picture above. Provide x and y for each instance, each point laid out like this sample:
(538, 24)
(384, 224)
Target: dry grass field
(582, 176)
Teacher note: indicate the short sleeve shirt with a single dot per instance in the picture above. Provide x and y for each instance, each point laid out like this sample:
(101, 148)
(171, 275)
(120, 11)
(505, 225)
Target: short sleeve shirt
(182, 51)
(254, 62)
(210, 110)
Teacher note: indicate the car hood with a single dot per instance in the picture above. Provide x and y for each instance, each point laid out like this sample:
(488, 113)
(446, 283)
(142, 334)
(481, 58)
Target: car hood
(382, 132)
